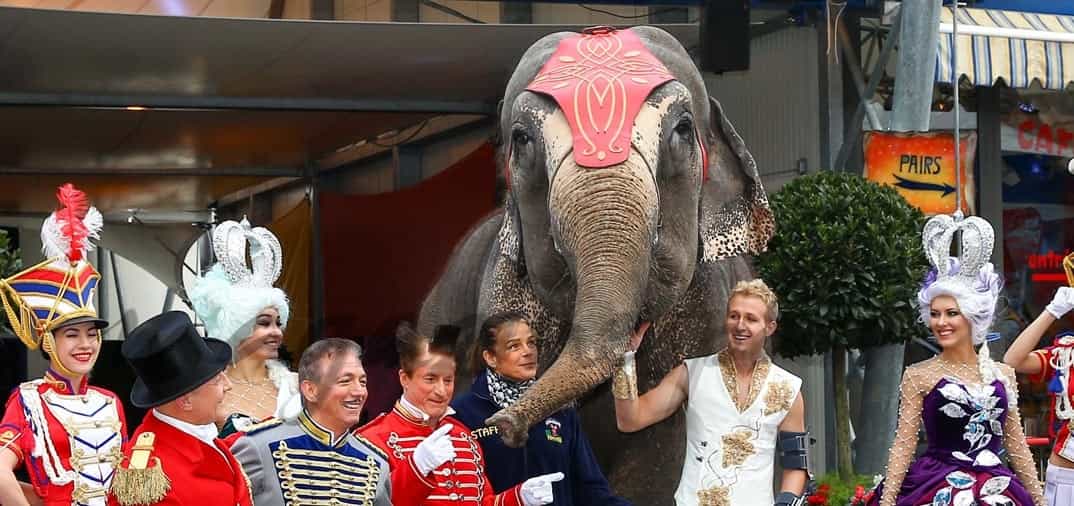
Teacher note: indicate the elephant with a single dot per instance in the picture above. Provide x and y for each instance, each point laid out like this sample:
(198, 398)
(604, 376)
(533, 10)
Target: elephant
(630, 198)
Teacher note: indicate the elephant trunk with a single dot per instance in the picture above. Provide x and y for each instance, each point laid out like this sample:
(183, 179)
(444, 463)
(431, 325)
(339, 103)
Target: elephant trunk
(605, 222)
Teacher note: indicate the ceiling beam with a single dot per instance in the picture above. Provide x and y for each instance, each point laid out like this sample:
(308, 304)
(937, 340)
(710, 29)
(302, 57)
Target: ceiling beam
(436, 128)
(249, 103)
(7, 170)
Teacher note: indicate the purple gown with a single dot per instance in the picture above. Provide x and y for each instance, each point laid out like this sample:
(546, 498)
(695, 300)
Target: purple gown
(964, 428)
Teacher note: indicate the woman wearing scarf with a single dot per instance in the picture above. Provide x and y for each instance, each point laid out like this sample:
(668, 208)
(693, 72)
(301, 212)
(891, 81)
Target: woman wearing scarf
(505, 361)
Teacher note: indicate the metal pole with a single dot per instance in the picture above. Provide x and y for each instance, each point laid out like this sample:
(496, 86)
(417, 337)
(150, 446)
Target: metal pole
(317, 316)
(958, 140)
(1009, 33)
(853, 129)
(854, 65)
(916, 73)
(119, 293)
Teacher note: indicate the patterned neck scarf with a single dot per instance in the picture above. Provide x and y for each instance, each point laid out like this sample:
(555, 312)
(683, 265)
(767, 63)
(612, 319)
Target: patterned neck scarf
(503, 391)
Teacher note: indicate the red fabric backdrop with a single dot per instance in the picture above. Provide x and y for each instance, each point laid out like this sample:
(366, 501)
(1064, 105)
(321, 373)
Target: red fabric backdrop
(383, 253)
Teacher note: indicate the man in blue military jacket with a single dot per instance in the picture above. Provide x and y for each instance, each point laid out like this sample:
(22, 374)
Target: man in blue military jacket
(317, 459)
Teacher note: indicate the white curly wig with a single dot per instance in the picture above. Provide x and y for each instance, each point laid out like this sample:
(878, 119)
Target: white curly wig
(229, 310)
(976, 300)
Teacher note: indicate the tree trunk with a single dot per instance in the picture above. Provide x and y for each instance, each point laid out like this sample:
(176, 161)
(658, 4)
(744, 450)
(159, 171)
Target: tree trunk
(879, 407)
(842, 411)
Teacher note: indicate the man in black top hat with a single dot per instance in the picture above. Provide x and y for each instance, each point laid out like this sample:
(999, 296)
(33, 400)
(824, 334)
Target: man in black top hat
(174, 457)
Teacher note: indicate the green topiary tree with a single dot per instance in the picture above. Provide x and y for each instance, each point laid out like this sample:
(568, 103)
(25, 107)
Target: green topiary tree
(846, 262)
(10, 263)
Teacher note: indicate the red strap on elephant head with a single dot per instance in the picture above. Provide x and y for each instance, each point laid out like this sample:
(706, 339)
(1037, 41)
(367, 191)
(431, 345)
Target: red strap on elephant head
(600, 78)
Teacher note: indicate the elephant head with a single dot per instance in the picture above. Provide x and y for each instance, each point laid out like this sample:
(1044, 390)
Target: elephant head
(624, 177)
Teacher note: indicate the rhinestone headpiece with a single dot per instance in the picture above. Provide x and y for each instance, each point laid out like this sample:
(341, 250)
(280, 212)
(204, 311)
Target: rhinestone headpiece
(975, 252)
(233, 292)
(230, 239)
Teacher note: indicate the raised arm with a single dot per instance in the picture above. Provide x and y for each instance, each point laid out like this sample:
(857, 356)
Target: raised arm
(633, 413)
(912, 395)
(1020, 354)
(1014, 439)
(636, 413)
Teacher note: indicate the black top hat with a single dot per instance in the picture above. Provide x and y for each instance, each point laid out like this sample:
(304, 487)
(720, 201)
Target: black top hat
(171, 359)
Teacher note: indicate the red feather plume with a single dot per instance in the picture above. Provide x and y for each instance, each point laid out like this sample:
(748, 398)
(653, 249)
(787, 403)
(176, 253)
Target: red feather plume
(74, 204)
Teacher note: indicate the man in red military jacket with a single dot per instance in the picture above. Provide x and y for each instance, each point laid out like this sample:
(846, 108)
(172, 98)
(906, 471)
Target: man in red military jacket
(434, 459)
(175, 458)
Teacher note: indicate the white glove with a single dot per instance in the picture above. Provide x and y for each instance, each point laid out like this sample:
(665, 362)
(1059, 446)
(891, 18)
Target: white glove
(1062, 303)
(537, 491)
(435, 450)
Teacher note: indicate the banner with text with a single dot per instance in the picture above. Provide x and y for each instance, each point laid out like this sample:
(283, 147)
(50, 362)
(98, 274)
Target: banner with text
(921, 166)
(1033, 136)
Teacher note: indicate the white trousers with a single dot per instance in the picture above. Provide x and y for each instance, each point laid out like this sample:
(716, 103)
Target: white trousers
(1059, 486)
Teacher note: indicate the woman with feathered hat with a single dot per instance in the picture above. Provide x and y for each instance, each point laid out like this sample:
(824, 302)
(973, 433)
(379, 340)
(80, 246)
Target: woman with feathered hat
(239, 305)
(67, 434)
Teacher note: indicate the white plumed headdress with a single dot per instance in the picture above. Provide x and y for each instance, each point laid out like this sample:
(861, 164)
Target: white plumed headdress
(233, 292)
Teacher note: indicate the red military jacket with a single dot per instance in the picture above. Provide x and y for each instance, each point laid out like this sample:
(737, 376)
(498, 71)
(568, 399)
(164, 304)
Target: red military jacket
(65, 417)
(1045, 356)
(460, 481)
(198, 475)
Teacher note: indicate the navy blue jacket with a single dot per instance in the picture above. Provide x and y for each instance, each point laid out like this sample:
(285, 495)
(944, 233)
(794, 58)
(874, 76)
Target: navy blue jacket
(556, 444)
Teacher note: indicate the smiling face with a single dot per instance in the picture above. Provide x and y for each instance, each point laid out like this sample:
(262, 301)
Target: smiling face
(431, 383)
(336, 401)
(948, 324)
(747, 324)
(267, 336)
(514, 354)
(204, 404)
(77, 346)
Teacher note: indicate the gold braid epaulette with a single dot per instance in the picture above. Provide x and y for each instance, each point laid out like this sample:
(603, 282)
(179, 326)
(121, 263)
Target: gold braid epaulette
(266, 424)
(139, 484)
(369, 444)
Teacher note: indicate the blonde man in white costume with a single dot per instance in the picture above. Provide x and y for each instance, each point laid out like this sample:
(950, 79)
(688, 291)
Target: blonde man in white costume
(742, 411)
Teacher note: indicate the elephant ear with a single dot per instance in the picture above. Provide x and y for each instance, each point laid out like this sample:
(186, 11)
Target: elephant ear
(509, 238)
(735, 218)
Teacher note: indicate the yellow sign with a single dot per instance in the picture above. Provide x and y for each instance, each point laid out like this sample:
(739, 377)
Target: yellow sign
(921, 166)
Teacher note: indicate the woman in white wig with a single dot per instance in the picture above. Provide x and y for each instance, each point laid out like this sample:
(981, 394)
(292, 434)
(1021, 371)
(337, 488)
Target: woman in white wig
(238, 304)
(967, 404)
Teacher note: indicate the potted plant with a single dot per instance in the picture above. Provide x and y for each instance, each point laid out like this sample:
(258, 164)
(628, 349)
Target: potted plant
(846, 262)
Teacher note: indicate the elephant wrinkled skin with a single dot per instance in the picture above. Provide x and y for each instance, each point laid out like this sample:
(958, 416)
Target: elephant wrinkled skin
(588, 253)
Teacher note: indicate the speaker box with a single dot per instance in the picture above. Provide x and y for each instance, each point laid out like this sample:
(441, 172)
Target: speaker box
(725, 35)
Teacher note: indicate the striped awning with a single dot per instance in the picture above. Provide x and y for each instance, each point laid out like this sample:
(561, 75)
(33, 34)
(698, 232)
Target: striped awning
(1017, 47)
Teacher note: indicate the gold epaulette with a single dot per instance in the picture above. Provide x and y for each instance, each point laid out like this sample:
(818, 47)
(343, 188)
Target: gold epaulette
(139, 483)
(262, 425)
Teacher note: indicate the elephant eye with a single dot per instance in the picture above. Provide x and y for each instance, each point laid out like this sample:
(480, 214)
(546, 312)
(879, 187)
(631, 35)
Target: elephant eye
(685, 126)
(520, 137)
